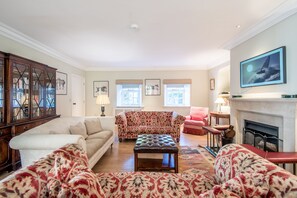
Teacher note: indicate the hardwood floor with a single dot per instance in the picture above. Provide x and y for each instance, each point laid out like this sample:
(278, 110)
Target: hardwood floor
(121, 158)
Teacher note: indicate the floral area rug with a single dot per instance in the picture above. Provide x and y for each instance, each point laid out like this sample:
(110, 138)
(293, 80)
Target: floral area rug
(195, 159)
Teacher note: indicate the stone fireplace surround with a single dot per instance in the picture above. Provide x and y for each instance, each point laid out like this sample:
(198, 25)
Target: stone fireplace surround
(278, 112)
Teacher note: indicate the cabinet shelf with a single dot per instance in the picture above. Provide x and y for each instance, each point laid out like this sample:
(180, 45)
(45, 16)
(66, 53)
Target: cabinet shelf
(24, 105)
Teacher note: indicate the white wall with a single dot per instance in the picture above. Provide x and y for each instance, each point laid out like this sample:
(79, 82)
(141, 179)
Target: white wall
(64, 103)
(281, 34)
(199, 88)
(221, 74)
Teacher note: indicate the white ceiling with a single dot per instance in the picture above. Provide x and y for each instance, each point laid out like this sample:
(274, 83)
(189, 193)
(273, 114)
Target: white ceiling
(172, 34)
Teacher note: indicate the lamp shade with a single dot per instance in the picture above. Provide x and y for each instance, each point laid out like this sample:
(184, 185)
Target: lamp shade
(102, 100)
(220, 101)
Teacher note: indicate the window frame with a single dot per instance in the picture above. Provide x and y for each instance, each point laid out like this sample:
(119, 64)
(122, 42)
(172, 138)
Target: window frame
(185, 103)
(140, 86)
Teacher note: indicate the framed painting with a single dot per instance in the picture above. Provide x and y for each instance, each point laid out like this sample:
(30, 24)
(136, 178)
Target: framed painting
(61, 83)
(265, 69)
(152, 87)
(212, 84)
(100, 88)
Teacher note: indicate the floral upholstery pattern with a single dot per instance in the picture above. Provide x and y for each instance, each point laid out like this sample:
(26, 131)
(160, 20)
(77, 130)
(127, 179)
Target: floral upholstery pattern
(72, 179)
(32, 181)
(65, 173)
(152, 184)
(246, 174)
(131, 124)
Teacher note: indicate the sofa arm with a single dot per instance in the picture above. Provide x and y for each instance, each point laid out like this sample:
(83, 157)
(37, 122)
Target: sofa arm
(205, 120)
(34, 146)
(121, 121)
(177, 119)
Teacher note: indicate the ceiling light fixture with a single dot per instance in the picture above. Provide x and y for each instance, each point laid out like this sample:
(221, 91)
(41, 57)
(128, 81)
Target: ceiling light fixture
(237, 26)
(134, 26)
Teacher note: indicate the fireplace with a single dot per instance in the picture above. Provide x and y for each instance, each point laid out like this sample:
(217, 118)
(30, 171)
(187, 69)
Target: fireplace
(279, 112)
(263, 136)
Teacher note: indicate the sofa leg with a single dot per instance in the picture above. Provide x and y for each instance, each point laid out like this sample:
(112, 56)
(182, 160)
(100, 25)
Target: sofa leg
(120, 139)
(177, 140)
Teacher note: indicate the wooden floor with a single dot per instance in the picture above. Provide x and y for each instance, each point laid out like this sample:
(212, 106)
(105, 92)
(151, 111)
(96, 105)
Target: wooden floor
(121, 158)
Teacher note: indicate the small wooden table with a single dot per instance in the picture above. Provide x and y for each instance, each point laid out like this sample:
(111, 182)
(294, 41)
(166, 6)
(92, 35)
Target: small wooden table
(218, 115)
(154, 144)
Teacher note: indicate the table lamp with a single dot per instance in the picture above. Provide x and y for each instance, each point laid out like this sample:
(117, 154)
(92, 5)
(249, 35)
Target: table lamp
(102, 100)
(220, 101)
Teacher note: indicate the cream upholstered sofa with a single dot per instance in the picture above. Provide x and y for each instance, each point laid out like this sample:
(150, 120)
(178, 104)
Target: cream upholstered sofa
(94, 134)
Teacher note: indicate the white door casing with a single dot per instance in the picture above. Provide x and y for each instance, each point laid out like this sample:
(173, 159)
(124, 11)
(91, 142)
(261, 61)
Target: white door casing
(78, 95)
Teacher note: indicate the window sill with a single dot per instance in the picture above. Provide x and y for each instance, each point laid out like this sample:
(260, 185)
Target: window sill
(176, 106)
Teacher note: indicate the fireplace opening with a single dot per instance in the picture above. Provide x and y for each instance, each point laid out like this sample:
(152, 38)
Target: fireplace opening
(262, 136)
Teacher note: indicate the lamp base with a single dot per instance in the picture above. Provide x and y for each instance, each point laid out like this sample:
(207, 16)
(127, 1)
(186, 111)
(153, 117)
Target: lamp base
(102, 111)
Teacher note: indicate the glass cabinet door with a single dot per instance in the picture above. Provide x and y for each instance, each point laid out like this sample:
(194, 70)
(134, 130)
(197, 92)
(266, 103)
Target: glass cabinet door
(21, 91)
(50, 92)
(37, 94)
(1, 89)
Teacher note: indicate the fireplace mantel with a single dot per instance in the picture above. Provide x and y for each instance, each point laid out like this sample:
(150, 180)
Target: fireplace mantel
(286, 100)
(280, 112)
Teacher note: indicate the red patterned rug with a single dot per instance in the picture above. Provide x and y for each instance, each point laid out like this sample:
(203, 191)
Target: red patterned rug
(193, 158)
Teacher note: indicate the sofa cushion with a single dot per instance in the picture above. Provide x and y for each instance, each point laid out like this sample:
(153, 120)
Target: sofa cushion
(72, 179)
(105, 134)
(194, 123)
(133, 118)
(149, 129)
(165, 118)
(79, 129)
(93, 125)
(152, 184)
(93, 145)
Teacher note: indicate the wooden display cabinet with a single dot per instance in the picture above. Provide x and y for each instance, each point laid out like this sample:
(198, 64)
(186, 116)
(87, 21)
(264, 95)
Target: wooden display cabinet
(27, 99)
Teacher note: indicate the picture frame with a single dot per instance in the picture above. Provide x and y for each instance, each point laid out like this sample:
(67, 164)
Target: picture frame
(100, 88)
(152, 87)
(265, 69)
(61, 83)
(212, 84)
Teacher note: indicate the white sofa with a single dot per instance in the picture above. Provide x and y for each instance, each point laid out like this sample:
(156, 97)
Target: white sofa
(42, 140)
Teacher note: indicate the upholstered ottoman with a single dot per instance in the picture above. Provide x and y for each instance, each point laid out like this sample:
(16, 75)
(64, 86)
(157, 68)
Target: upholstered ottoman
(153, 144)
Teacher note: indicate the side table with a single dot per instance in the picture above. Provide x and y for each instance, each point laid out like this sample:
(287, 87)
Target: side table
(217, 116)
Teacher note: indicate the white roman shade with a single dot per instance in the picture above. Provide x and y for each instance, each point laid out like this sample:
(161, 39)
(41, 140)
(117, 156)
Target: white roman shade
(177, 81)
(129, 81)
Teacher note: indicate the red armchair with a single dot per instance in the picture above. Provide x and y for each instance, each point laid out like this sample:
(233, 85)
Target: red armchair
(196, 120)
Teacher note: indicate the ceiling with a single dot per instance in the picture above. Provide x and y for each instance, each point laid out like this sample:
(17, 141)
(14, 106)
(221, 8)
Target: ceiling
(172, 34)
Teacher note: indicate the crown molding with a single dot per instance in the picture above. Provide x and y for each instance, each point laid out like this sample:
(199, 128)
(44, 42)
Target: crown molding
(279, 14)
(19, 37)
(150, 68)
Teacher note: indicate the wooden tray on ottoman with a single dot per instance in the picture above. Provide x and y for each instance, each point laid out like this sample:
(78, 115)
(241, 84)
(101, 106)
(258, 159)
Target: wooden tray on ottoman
(156, 144)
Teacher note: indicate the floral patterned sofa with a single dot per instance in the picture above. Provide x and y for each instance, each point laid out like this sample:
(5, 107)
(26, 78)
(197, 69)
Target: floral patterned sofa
(132, 123)
(65, 173)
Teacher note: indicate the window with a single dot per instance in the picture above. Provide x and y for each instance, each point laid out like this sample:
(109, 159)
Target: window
(129, 95)
(177, 94)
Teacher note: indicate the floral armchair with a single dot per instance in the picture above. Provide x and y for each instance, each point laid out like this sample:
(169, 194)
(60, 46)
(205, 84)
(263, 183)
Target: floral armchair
(196, 120)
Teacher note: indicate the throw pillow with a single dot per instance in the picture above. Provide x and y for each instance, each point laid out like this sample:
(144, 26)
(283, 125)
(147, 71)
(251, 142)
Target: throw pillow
(53, 132)
(93, 125)
(197, 117)
(79, 129)
(132, 118)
